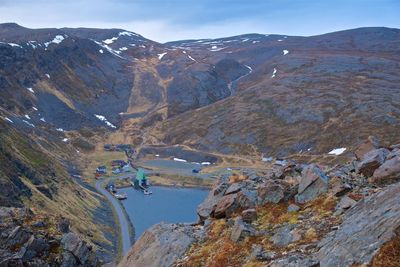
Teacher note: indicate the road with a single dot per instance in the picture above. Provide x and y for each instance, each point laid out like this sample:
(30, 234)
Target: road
(123, 220)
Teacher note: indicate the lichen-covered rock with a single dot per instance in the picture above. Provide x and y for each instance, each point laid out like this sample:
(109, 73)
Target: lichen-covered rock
(366, 227)
(241, 229)
(372, 160)
(162, 245)
(388, 172)
(313, 182)
(368, 145)
(270, 192)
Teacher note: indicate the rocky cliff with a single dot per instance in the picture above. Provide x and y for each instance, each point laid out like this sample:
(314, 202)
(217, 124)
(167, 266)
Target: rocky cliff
(28, 239)
(293, 215)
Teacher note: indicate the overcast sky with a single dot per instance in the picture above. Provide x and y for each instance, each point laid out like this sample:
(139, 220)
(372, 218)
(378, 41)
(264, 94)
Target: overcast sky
(163, 20)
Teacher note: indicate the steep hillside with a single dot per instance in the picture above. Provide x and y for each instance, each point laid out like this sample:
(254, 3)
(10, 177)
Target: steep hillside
(303, 94)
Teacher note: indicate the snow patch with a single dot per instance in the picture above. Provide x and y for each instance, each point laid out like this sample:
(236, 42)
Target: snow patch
(101, 51)
(274, 73)
(58, 39)
(30, 90)
(110, 41)
(65, 140)
(160, 56)
(27, 116)
(42, 119)
(127, 33)
(102, 118)
(215, 48)
(180, 160)
(8, 119)
(34, 108)
(15, 45)
(206, 163)
(254, 42)
(30, 124)
(60, 130)
(337, 151)
(285, 52)
(280, 40)
(47, 75)
(157, 155)
(123, 48)
(191, 58)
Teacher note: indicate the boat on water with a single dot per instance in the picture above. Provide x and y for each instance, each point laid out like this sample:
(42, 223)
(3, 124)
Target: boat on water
(147, 192)
(121, 196)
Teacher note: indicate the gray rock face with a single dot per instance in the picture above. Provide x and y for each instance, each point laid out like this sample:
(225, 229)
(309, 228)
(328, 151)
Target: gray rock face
(249, 215)
(161, 245)
(294, 261)
(284, 236)
(233, 188)
(241, 229)
(313, 182)
(293, 208)
(388, 172)
(205, 209)
(366, 227)
(372, 160)
(346, 203)
(73, 244)
(368, 145)
(270, 192)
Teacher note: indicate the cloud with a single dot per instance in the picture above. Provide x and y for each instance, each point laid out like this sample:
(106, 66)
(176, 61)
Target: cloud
(162, 20)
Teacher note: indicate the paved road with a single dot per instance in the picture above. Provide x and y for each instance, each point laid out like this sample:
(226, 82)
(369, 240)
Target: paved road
(123, 220)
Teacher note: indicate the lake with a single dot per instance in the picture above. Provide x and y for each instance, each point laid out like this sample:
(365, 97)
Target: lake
(166, 204)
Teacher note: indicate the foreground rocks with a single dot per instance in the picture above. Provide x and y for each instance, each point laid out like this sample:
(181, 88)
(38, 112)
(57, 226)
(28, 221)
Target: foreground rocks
(30, 240)
(294, 215)
(162, 245)
(366, 227)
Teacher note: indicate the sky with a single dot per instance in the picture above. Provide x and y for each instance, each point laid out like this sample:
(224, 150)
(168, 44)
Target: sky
(163, 20)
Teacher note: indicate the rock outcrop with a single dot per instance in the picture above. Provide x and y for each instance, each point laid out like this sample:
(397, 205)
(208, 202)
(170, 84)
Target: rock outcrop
(366, 227)
(30, 240)
(313, 182)
(162, 245)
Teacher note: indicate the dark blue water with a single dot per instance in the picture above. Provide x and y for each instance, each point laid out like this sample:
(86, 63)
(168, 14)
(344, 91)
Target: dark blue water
(166, 204)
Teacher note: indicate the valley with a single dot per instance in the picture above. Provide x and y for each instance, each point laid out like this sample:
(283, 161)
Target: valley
(230, 115)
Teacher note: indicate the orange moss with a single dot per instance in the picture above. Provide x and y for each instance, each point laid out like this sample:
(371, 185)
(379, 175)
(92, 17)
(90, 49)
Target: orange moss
(235, 177)
(272, 214)
(388, 255)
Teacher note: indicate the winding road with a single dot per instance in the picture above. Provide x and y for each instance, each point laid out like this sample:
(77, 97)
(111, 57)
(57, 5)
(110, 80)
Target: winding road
(123, 220)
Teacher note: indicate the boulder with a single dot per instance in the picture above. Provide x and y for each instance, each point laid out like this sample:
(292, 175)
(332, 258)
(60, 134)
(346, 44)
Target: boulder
(313, 182)
(35, 247)
(240, 230)
(270, 192)
(63, 225)
(161, 245)
(249, 215)
(366, 227)
(205, 209)
(232, 203)
(372, 160)
(388, 172)
(345, 203)
(293, 208)
(72, 243)
(233, 188)
(338, 187)
(296, 260)
(258, 253)
(284, 235)
(226, 206)
(368, 145)
(17, 237)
